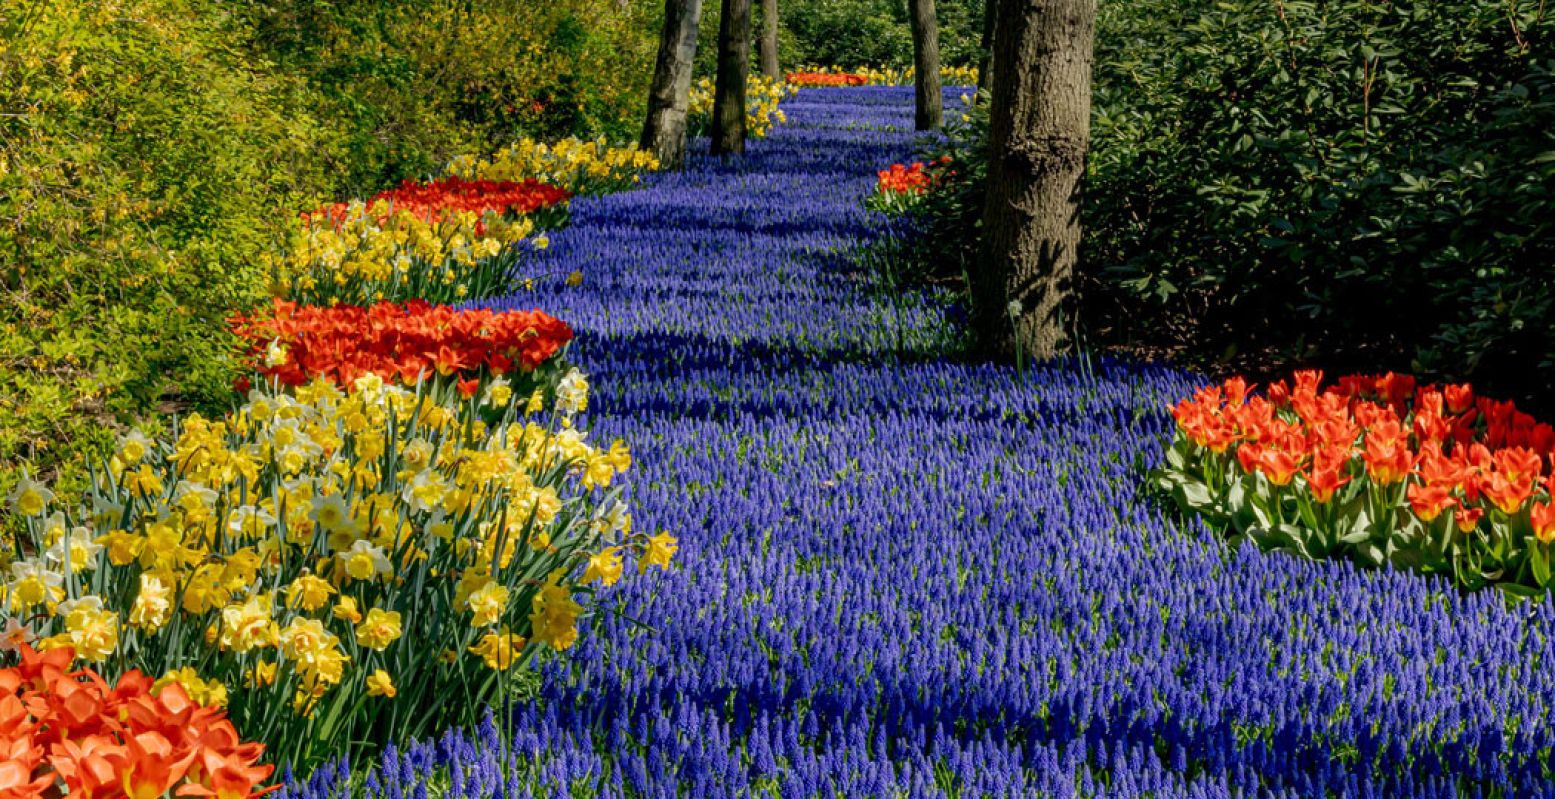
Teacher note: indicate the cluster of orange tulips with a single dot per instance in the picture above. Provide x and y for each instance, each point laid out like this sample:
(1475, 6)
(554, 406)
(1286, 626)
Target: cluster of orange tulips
(69, 733)
(1373, 467)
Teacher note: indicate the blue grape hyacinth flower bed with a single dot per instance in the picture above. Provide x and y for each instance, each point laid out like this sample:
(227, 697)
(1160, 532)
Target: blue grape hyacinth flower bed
(905, 574)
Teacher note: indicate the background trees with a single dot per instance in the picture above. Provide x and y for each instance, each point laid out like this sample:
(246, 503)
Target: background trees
(927, 113)
(1040, 115)
(1353, 186)
(664, 130)
(768, 43)
(734, 42)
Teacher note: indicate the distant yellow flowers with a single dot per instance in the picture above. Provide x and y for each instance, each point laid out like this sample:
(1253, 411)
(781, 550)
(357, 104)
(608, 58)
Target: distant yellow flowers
(762, 96)
(577, 165)
(360, 254)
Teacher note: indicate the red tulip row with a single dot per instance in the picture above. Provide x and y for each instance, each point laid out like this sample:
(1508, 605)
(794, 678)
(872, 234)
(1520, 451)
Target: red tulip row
(297, 343)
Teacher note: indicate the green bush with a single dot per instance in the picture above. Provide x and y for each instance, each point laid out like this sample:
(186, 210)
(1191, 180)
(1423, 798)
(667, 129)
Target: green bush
(851, 33)
(141, 160)
(1364, 184)
(1355, 185)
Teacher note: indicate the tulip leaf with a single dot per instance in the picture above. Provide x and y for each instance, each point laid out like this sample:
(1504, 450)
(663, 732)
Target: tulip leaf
(1518, 591)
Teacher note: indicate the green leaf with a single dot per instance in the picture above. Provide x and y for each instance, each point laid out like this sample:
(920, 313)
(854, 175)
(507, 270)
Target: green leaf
(1518, 591)
(1195, 495)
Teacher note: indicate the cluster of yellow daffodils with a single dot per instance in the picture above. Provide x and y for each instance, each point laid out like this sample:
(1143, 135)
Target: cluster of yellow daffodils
(762, 96)
(577, 165)
(321, 549)
(359, 254)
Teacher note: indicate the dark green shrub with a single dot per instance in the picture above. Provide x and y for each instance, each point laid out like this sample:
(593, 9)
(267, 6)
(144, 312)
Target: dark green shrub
(1366, 184)
(853, 33)
(1357, 185)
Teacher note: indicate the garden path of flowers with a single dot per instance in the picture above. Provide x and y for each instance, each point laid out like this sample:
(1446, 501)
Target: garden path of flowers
(903, 575)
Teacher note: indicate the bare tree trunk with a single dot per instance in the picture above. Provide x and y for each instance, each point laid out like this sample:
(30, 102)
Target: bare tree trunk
(985, 61)
(769, 40)
(664, 131)
(1039, 129)
(928, 113)
(734, 56)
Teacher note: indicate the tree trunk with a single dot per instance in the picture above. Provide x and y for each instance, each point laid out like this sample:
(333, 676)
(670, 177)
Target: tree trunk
(769, 40)
(1039, 128)
(925, 50)
(985, 60)
(664, 131)
(734, 55)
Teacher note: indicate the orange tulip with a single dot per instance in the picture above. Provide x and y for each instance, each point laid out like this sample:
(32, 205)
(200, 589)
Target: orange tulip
(89, 765)
(1279, 466)
(1506, 494)
(73, 734)
(1437, 469)
(1467, 518)
(1323, 481)
(1460, 398)
(1248, 456)
(151, 767)
(1542, 514)
(1428, 501)
(1387, 454)
(1236, 390)
(1430, 426)
(1518, 463)
(231, 776)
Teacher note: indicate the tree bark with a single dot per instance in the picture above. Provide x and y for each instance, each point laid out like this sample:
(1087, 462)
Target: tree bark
(664, 130)
(928, 113)
(769, 40)
(734, 48)
(1039, 129)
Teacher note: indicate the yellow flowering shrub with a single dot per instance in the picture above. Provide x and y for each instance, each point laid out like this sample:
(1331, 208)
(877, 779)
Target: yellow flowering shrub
(577, 165)
(321, 550)
(762, 96)
(141, 160)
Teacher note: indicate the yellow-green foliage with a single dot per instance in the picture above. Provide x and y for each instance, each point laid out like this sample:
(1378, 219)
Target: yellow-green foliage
(151, 150)
(415, 84)
(140, 162)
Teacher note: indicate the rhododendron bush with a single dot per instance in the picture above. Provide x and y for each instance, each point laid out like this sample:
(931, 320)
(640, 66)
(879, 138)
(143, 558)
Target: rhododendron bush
(1373, 468)
(72, 733)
